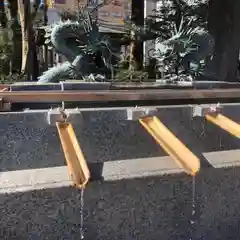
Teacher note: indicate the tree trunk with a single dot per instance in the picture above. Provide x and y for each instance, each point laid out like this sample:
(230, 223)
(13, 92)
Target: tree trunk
(224, 25)
(131, 54)
(138, 19)
(23, 23)
(3, 19)
(12, 15)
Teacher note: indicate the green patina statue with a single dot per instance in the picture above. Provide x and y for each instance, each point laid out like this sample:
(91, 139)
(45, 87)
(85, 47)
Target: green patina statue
(88, 53)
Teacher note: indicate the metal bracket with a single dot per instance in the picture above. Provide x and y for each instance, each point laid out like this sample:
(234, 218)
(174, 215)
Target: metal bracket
(203, 110)
(4, 106)
(137, 113)
(67, 115)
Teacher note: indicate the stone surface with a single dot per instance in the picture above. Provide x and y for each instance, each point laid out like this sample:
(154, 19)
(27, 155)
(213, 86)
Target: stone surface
(66, 85)
(34, 86)
(150, 208)
(71, 85)
(27, 141)
(44, 178)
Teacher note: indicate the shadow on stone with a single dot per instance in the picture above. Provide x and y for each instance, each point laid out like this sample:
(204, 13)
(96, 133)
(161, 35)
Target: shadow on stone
(150, 208)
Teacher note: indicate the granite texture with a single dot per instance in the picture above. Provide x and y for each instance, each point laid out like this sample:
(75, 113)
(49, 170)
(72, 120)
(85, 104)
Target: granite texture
(27, 141)
(150, 208)
(33, 86)
(66, 85)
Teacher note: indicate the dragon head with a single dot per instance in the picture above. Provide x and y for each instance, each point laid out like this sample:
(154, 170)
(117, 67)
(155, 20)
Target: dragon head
(97, 44)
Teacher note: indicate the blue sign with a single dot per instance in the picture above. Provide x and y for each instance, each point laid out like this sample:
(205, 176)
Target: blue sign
(5, 3)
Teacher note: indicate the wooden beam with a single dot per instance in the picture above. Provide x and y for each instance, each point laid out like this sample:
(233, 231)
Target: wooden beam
(120, 95)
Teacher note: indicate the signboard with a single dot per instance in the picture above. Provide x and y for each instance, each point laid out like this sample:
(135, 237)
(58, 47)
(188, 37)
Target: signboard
(56, 6)
(65, 5)
(53, 16)
(68, 5)
(113, 14)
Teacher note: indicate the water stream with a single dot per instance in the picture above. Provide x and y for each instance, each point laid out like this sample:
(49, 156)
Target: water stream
(81, 213)
(193, 215)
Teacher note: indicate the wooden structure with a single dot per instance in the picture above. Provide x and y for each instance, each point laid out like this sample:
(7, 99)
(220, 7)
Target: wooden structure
(146, 116)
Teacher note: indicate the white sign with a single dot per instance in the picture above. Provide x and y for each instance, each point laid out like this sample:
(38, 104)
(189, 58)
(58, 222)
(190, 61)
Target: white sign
(113, 14)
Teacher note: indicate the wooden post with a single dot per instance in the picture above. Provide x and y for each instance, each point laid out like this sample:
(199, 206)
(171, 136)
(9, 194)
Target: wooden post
(28, 26)
(138, 19)
(3, 18)
(21, 11)
(45, 47)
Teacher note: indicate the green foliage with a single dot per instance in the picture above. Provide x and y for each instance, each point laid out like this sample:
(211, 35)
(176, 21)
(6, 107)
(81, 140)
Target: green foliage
(177, 26)
(126, 74)
(5, 51)
(88, 52)
(182, 36)
(172, 50)
(10, 42)
(5, 42)
(174, 13)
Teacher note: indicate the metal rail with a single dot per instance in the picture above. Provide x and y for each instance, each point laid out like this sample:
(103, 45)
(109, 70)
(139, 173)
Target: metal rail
(118, 95)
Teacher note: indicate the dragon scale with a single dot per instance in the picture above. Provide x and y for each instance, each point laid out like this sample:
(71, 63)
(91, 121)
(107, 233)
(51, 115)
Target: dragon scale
(79, 42)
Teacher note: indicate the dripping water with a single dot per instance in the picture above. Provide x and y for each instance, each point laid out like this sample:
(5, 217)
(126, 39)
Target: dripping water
(81, 214)
(220, 142)
(193, 215)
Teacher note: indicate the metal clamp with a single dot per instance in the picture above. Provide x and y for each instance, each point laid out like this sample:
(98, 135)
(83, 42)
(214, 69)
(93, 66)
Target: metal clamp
(140, 112)
(61, 115)
(4, 106)
(203, 110)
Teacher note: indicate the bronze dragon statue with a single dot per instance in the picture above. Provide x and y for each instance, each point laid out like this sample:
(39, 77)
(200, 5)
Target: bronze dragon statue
(88, 53)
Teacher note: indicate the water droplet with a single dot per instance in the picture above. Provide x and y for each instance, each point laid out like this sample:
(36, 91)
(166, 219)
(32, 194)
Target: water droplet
(82, 236)
(81, 214)
(220, 142)
(192, 220)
